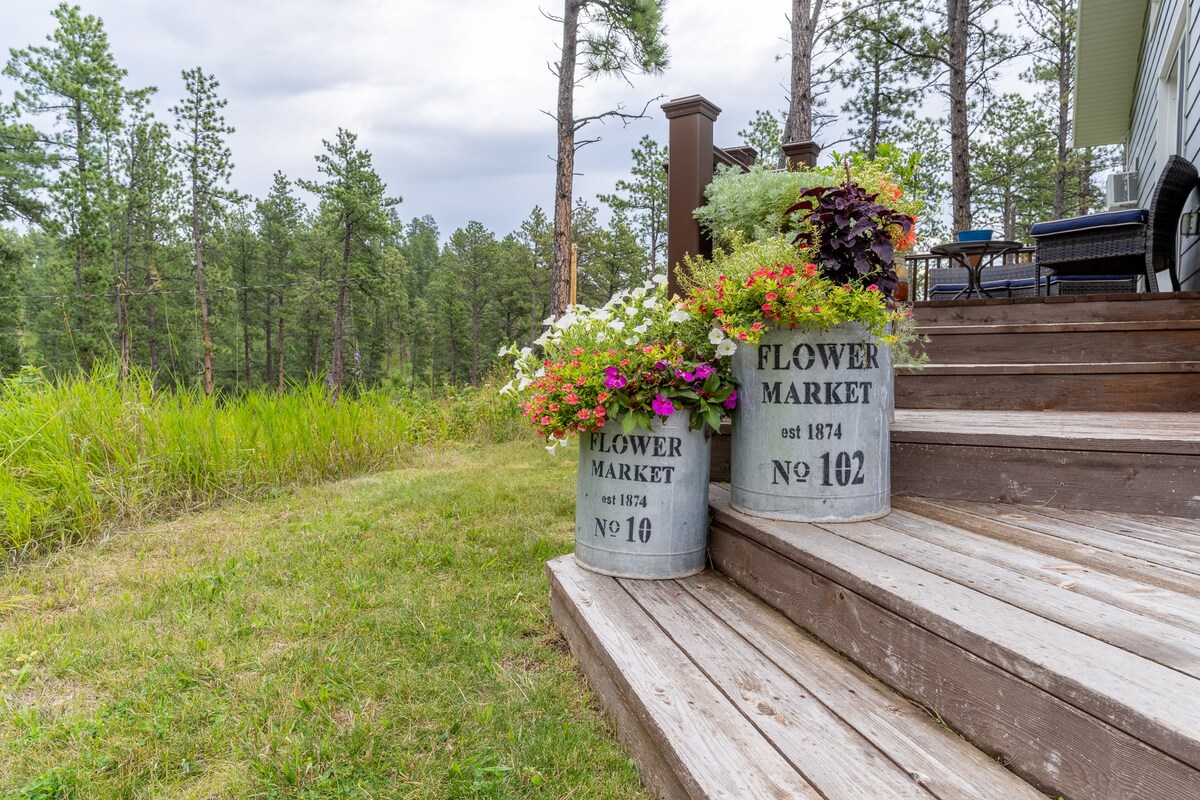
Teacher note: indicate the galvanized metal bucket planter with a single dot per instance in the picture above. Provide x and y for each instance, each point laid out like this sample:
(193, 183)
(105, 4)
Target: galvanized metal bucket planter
(641, 507)
(810, 441)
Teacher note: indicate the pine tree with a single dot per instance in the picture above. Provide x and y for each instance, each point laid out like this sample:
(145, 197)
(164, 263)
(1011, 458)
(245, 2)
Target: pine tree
(355, 206)
(643, 200)
(614, 37)
(75, 82)
(278, 217)
(11, 283)
(207, 164)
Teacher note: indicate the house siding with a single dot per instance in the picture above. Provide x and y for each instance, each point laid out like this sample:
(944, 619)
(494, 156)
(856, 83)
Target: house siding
(1142, 153)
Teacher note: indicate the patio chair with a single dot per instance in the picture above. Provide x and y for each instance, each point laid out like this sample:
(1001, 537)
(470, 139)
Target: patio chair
(1121, 245)
(999, 280)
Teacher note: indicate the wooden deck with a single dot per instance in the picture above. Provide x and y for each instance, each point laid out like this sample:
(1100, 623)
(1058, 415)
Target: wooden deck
(720, 697)
(1065, 643)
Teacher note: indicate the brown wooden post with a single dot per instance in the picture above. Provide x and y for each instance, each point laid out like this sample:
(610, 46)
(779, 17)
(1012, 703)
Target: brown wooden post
(801, 153)
(690, 148)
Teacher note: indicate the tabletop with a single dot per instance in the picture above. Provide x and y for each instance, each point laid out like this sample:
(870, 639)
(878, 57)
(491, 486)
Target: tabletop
(987, 247)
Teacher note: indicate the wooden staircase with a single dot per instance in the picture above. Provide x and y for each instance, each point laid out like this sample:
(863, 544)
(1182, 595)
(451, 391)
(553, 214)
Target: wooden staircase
(1025, 623)
(1074, 402)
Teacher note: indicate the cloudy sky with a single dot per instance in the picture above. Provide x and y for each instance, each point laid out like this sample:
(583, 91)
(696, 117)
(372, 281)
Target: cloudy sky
(448, 95)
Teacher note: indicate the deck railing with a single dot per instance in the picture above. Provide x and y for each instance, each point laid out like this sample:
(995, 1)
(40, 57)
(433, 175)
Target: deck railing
(919, 264)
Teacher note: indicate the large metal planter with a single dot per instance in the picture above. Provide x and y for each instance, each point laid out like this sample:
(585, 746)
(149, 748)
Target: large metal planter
(810, 441)
(641, 508)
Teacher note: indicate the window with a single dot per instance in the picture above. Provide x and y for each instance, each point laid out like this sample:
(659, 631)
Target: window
(1172, 90)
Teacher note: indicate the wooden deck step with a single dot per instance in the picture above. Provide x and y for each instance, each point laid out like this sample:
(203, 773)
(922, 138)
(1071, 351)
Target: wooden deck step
(718, 696)
(1169, 340)
(1051, 386)
(1132, 462)
(1066, 644)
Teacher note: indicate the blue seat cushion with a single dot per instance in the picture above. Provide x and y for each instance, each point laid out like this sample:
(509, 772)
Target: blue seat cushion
(1024, 283)
(1107, 219)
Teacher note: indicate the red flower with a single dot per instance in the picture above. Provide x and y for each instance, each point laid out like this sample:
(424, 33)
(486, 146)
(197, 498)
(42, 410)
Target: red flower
(583, 413)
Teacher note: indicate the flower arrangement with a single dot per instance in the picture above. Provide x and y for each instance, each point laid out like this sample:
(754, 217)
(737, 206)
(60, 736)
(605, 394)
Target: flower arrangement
(642, 355)
(772, 284)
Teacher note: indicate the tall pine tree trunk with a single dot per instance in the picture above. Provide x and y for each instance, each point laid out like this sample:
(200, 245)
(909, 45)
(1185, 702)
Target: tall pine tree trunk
(124, 331)
(151, 322)
(202, 292)
(560, 275)
(337, 367)
(1066, 45)
(799, 124)
(957, 16)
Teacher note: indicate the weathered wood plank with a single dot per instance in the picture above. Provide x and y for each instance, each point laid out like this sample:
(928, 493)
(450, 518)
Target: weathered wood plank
(1047, 741)
(1088, 326)
(1169, 532)
(1153, 703)
(1153, 602)
(831, 755)
(1140, 342)
(1133, 482)
(715, 751)
(1153, 639)
(1081, 308)
(1054, 430)
(1074, 531)
(996, 527)
(945, 764)
(983, 388)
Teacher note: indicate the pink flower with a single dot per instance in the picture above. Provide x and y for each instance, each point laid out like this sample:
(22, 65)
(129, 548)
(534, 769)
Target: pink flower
(662, 406)
(583, 413)
(614, 379)
(703, 371)
(731, 401)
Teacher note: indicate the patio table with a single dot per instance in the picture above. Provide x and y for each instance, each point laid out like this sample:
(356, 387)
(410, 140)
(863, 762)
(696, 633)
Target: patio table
(974, 256)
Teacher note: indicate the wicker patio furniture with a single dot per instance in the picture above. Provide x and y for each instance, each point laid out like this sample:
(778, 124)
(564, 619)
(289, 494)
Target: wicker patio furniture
(1121, 245)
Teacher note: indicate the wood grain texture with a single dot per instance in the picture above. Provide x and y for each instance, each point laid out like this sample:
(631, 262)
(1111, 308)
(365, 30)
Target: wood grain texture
(1182, 534)
(989, 388)
(832, 756)
(1050, 743)
(945, 764)
(1143, 636)
(1073, 529)
(692, 727)
(1052, 430)
(1080, 308)
(1058, 569)
(1131, 482)
(1152, 703)
(1050, 345)
(996, 526)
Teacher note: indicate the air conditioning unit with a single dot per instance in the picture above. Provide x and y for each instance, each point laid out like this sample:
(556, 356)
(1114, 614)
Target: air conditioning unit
(1122, 190)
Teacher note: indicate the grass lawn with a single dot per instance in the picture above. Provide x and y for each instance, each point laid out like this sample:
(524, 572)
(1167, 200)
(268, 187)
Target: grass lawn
(383, 637)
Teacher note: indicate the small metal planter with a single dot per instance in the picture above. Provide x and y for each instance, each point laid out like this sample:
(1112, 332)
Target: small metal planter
(641, 508)
(811, 437)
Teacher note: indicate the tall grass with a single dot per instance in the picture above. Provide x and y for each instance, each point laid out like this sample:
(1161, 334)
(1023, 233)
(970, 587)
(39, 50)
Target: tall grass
(81, 455)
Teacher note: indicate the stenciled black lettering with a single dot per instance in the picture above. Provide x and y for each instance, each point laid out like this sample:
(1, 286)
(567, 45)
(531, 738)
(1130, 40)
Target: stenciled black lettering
(771, 392)
(803, 356)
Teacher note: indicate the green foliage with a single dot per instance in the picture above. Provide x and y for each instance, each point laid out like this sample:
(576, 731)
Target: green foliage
(621, 36)
(11, 324)
(765, 134)
(639, 356)
(89, 452)
(642, 203)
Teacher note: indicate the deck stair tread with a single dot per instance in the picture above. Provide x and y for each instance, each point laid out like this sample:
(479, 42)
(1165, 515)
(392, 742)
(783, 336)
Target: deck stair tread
(1063, 641)
(1146, 432)
(719, 696)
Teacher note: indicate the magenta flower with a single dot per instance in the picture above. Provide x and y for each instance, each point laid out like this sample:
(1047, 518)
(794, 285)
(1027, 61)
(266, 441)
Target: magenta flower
(703, 371)
(662, 406)
(731, 401)
(660, 365)
(614, 379)
(687, 376)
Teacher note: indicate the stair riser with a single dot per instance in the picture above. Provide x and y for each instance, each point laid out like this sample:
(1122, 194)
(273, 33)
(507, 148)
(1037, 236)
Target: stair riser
(1164, 391)
(1093, 308)
(1064, 347)
(1135, 483)
(1038, 736)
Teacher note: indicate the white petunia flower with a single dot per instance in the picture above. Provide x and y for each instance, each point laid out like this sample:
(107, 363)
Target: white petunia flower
(526, 352)
(645, 326)
(601, 336)
(541, 373)
(727, 347)
(524, 384)
(508, 387)
(661, 280)
(565, 321)
(542, 340)
(630, 310)
(650, 302)
(716, 336)
(632, 340)
(639, 292)
(548, 320)
(617, 325)
(679, 315)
